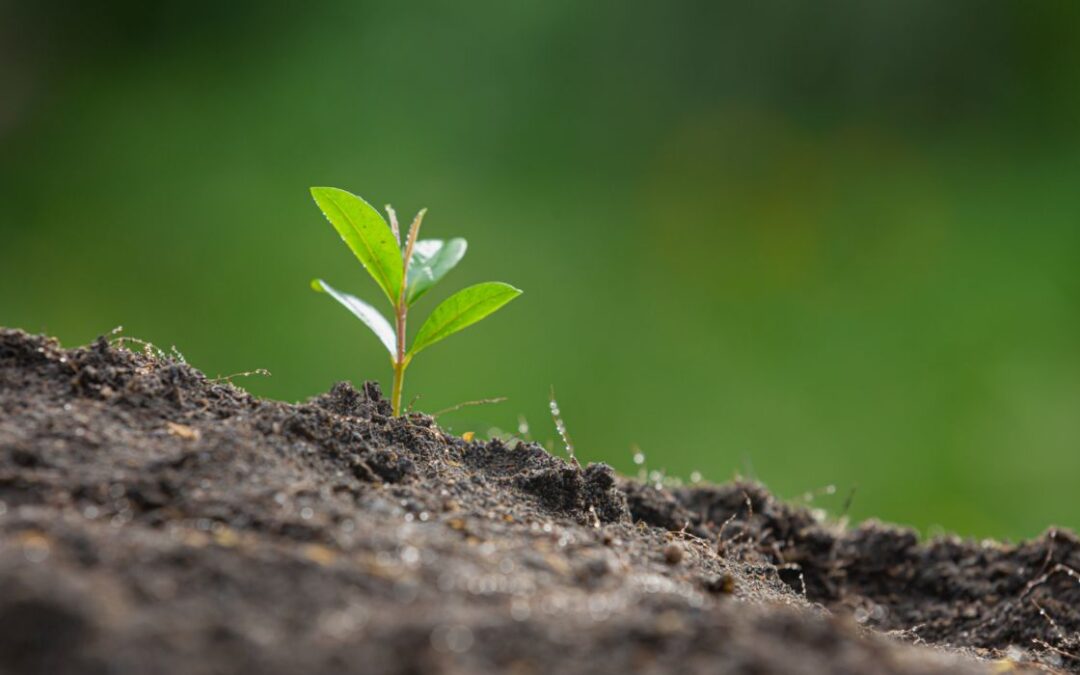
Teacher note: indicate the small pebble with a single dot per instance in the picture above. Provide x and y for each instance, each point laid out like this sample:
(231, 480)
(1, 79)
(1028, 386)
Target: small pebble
(673, 553)
(723, 584)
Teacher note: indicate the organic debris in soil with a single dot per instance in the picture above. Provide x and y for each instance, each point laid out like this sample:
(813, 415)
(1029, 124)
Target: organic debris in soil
(152, 520)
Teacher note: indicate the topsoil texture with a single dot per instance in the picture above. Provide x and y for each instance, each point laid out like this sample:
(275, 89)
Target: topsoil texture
(155, 521)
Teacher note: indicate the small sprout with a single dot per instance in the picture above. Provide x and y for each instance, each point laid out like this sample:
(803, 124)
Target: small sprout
(405, 274)
(261, 372)
(560, 426)
(639, 462)
(466, 404)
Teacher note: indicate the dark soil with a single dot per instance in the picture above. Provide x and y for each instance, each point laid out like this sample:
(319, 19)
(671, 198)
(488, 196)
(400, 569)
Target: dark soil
(155, 521)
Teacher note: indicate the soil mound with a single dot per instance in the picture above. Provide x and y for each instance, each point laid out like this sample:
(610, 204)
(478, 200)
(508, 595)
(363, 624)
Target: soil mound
(154, 520)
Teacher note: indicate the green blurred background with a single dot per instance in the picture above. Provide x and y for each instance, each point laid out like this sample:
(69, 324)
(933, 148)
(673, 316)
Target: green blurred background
(811, 242)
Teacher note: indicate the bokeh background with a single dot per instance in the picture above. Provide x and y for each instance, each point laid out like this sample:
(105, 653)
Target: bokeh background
(814, 243)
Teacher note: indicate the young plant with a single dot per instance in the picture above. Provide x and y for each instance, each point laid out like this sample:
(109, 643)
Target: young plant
(405, 274)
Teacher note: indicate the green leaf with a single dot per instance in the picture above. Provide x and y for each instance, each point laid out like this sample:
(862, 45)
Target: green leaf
(363, 311)
(462, 309)
(367, 234)
(431, 260)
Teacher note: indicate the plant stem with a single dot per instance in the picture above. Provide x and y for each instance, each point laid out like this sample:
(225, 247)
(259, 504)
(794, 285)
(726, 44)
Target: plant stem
(400, 315)
(401, 308)
(399, 378)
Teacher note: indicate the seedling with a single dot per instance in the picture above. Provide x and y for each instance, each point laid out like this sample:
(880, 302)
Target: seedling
(404, 274)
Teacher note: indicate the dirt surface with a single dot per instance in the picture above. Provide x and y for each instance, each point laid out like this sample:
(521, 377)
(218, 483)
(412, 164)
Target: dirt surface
(152, 520)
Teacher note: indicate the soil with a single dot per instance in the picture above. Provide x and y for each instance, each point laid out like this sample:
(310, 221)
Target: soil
(154, 520)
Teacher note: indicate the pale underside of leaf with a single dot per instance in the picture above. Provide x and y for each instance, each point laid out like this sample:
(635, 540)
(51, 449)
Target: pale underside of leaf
(367, 235)
(363, 311)
(431, 260)
(462, 309)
